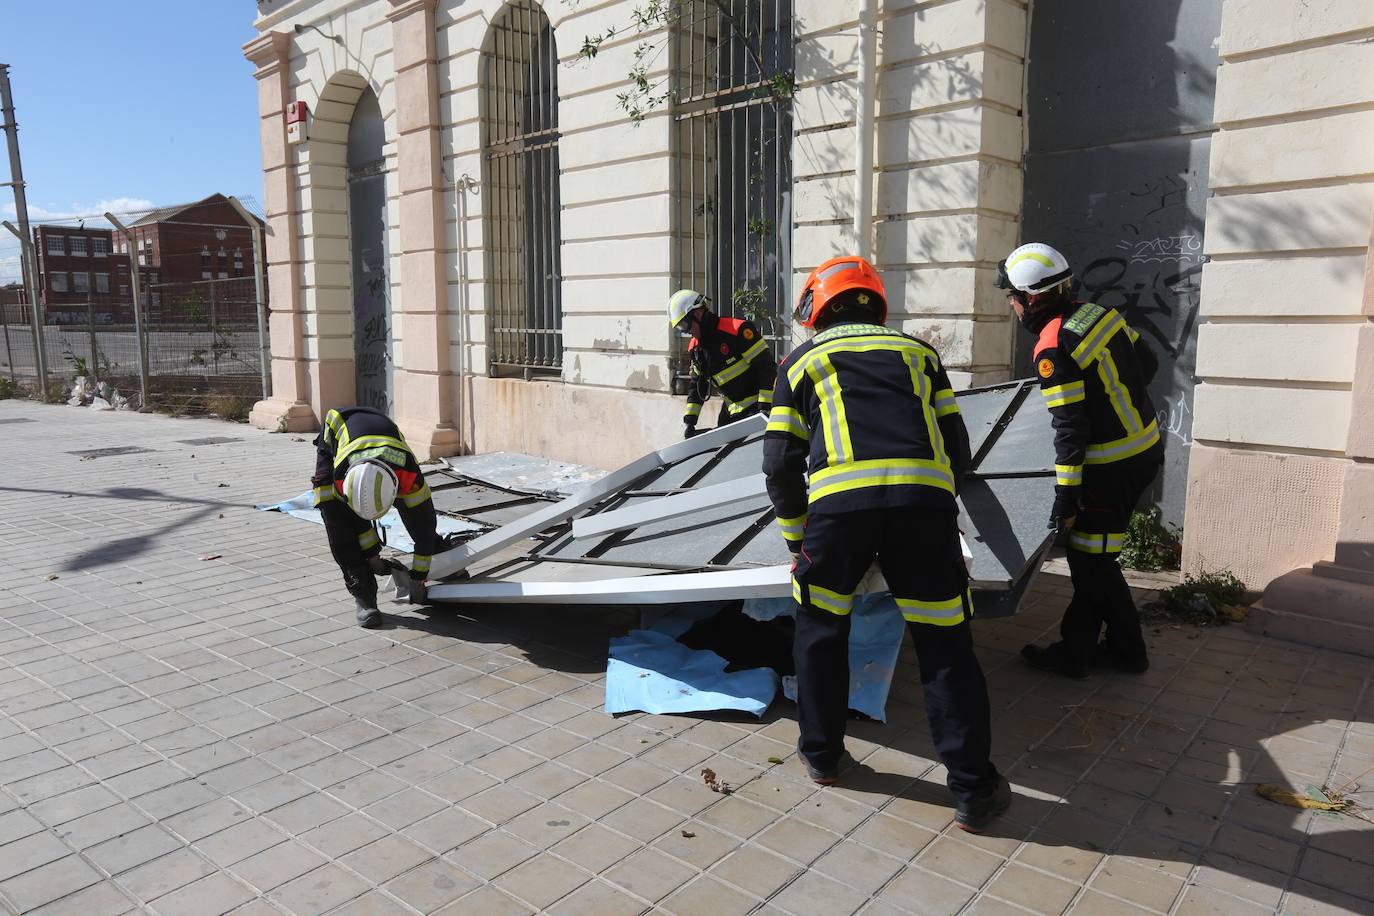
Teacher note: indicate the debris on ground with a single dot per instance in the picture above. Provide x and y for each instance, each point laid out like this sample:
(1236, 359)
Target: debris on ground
(211, 556)
(775, 760)
(714, 782)
(49, 577)
(687, 834)
(1150, 545)
(1210, 599)
(1288, 797)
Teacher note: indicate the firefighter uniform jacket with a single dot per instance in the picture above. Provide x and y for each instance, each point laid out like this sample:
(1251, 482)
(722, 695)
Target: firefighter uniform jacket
(868, 414)
(733, 357)
(1092, 379)
(356, 434)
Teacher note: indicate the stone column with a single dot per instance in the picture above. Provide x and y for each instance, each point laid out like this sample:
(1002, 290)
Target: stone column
(424, 397)
(287, 409)
(1332, 604)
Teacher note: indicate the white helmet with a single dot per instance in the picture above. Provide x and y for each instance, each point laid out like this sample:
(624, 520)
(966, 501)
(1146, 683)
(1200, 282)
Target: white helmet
(1036, 267)
(681, 303)
(370, 489)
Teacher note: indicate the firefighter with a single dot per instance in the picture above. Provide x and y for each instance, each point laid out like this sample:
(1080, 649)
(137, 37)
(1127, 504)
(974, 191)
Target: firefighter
(1093, 368)
(867, 414)
(728, 354)
(362, 466)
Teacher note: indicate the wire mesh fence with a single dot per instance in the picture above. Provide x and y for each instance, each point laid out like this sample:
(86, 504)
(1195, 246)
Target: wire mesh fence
(204, 350)
(198, 338)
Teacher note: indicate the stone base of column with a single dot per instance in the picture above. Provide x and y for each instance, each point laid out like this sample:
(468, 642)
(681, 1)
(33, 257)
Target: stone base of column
(429, 441)
(283, 416)
(1328, 606)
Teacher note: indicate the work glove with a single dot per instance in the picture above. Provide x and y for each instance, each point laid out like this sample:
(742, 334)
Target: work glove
(689, 431)
(1065, 509)
(383, 567)
(419, 592)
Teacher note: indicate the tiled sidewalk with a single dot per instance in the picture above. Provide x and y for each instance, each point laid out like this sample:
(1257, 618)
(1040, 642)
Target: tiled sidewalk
(183, 734)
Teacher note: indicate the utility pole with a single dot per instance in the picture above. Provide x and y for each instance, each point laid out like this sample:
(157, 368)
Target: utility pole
(135, 285)
(21, 209)
(260, 292)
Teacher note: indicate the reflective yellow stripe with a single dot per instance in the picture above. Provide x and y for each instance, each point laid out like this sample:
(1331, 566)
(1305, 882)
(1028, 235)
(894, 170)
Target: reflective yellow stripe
(1088, 542)
(693, 409)
(322, 494)
(368, 442)
(920, 384)
(741, 406)
(334, 423)
(420, 563)
(855, 344)
(944, 403)
(944, 613)
(823, 598)
(1060, 395)
(1097, 339)
(1132, 333)
(736, 369)
(1068, 475)
(787, 420)
(1117, 393)
(766, 396)
(838, 448)
(412, 500)
(792, 528)
(1030, 256)
(1123, 448)
(879, 472)
(367, 539)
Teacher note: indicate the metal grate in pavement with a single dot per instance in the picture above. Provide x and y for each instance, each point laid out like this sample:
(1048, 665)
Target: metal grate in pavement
(110, 452)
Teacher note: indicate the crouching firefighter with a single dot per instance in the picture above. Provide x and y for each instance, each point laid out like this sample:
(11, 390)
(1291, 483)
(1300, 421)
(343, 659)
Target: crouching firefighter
(728, 354)
(1093, 369)
(868, 413)
(362, 467)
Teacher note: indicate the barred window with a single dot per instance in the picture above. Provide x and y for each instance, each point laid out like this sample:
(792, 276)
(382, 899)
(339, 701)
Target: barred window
(55, 244)
(521, 231)
(99, 248)
(81, 282)
(733, 90)
(79, 246)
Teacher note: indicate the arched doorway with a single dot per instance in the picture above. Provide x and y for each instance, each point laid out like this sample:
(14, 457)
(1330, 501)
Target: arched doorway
(367, 223)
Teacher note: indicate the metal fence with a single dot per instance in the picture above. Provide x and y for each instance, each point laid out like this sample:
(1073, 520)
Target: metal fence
(520, 125)
(203, 347)
(733, 87)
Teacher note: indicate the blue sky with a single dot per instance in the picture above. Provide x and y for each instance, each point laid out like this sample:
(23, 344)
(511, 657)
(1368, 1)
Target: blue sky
(128, 104)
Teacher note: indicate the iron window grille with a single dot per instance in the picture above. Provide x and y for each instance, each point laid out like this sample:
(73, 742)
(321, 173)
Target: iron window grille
(522, 234)
(55, 244)
(78, 246)
(733, 87)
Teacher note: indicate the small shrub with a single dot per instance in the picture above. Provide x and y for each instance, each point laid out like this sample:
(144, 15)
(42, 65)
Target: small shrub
(1150, 545)
(231, 407)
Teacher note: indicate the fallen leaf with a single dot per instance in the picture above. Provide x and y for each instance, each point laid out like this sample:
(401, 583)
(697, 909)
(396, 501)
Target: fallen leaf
(49, 577)
(715, 783)
(211, 556)
(1294, 800)
(775, 760)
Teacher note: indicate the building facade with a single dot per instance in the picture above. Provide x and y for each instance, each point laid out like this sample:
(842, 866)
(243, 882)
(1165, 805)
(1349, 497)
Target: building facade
(77, 268)
(477, 228)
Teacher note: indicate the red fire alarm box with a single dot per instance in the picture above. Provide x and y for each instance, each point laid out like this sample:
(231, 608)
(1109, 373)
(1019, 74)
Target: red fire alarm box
(297, 116)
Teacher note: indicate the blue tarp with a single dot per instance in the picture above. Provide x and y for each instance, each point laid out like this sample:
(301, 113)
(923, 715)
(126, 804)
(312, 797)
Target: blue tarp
(396, 536)
(650, 671)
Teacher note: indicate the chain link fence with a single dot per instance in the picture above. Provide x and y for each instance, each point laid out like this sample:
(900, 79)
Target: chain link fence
(203, 347)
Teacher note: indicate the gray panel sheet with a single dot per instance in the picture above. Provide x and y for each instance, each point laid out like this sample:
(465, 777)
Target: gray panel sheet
(1009, 518)
(524, 473)
(554, 571)
(982, 408)
(1026, 445)
(691, 539)
(767, 548)
(745, 460)
(676, 475)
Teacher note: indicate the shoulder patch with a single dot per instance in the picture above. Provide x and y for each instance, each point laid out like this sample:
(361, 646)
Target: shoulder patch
(1084, 318)
(1045, 367)
(747, 334)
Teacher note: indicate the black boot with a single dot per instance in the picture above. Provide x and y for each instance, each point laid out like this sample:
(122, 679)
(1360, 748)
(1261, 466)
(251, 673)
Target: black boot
(974, 814)
(363, 587)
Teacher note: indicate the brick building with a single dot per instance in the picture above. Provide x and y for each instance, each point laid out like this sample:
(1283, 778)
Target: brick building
(77, 266)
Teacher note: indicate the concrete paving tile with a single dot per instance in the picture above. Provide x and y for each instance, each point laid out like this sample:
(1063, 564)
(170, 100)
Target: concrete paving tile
(405, 808)
(30, 852)
(488, 901)
(17, 824)
(344, 835)
(273, 793)
(642, 819)
(236, 843)
(101, 826)
(307, 812)
(175, 798)
(104, 898)
(275, 866)
(493, 853)
(918, 891)
(1032, 889)
(164, 874)
(212, 895)
(1136, 884)
(1338, 873)
(366, 788)
(374, 903)
(446, 830)
(202, 821)
(1307, 899)
(386, 858)
(597, 898)
(157, 775)
(650, 874)
(797, 840)
(318, 891)
(132, 849)
(431, 886)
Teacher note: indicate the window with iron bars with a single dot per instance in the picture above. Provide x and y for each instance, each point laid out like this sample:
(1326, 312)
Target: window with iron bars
(733, 87)
(520, 137)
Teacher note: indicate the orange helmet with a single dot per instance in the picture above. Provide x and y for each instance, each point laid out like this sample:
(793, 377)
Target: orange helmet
(833, 277)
